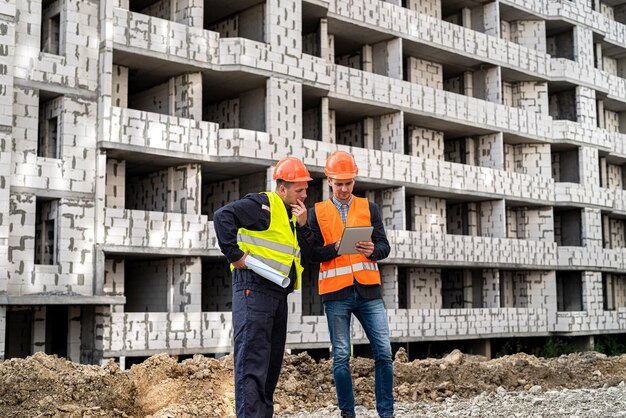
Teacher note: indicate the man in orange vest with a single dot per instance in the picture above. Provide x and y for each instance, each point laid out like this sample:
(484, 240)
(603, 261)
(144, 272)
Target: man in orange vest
(270, 227)
(350, 283)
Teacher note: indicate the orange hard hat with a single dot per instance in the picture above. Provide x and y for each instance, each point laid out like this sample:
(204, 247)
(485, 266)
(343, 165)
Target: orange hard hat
(292, 170)
(340, 165)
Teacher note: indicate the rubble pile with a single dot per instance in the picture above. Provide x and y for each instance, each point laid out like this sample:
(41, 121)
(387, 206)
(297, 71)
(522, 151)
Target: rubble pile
(48, 386)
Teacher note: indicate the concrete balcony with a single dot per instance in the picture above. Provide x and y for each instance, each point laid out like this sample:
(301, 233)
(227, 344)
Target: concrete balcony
(144, 334)
(584, 322)
(424, 29)
(144, 232)
(439, 324)
(175, 42)
(153, 133)
(568, 131)
(313, 71)
(414, 248)
(164, 39)
(483, 116)
(591, 258)
(389, 168)
(578, 195)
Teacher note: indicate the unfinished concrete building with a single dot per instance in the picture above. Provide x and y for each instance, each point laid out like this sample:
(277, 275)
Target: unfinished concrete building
(492, 135)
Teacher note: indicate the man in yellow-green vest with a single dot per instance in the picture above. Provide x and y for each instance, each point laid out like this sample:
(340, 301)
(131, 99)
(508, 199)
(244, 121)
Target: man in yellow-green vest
(268, 229)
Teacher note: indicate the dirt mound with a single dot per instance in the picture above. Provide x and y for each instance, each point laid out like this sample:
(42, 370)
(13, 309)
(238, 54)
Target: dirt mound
(47, 386)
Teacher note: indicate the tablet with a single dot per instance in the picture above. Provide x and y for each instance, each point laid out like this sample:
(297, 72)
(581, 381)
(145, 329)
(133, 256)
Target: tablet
(352, 235)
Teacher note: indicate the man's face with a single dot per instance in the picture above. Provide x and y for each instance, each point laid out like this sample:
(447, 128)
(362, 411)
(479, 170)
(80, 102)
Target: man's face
(342, 189)
(292, 192)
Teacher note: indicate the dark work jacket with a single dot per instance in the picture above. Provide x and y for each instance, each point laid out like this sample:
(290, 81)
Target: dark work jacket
(248, 213)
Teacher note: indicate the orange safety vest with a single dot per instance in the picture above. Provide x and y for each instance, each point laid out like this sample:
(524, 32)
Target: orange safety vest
(341, 271)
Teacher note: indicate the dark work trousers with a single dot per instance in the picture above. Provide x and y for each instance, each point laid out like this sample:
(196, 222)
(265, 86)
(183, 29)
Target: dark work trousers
(260, 330)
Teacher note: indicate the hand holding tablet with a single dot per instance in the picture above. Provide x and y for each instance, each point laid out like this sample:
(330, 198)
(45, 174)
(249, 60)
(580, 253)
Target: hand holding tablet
(352, 235)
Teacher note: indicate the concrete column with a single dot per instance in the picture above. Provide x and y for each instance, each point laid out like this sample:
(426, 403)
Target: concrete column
(491, 151)
(588, 163)
(3, 331)
(74, 333)
(330, 57)
(369, 135)
(186, 96)
(184, 187)
(487, 84)
(392, 208)
(283, 24)
(468, 84)
(599, 60)
(389, 132)
(491, 288)
(185, 290)
(592, 293)
(327, 122)
(600, 114)
(492, 219)
(367, 58)
(39, 330)
(468, 299)
(189, 12)
(484, 18)
(114, 281)
(115, 194)
(283, 116)
(389, 277)
(323, 39)
(586, 106)
(119, 92)
(591, 223)
(583, 46)
(387, 58)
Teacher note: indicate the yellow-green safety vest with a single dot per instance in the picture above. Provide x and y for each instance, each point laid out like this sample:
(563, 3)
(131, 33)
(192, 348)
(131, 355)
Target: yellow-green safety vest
(277, 246)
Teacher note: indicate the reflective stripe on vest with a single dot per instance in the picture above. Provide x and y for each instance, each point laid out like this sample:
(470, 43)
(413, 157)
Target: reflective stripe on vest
(340, 271)
(267, 244)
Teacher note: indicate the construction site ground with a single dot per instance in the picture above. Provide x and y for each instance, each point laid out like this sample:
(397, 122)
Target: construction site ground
(48, 386)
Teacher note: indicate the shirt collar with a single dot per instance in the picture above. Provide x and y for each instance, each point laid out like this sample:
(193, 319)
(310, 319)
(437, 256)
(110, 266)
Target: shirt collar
(339, 204)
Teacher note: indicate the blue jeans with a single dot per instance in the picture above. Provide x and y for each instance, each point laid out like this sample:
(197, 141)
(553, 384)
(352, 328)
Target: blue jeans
(373, 317)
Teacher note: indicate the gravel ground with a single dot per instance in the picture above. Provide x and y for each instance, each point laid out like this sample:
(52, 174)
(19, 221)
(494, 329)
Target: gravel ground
(608, 402)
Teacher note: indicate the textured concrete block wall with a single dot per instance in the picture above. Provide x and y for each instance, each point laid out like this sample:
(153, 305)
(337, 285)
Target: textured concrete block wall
(529, 33)
(275, 121)
(424, 287)
(425, 143)
(424, 72)
(216, 287)
(389, 132)
(428, 7)
(115, 196)
(226, 113)
(428, 214)
(217, 194)
(531, 159)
